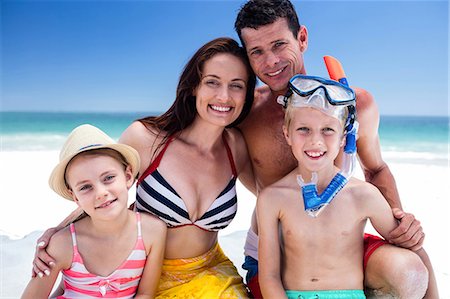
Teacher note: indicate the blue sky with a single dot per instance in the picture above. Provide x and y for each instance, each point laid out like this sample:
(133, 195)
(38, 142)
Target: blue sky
(128, 55)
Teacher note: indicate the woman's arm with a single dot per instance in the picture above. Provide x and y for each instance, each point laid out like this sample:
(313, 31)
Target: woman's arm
(43, 262)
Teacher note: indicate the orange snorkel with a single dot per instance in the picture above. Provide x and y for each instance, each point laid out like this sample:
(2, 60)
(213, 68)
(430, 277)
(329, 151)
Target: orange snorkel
(335, 70)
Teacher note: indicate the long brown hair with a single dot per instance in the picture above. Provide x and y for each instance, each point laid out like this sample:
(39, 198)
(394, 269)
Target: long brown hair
(183, 111)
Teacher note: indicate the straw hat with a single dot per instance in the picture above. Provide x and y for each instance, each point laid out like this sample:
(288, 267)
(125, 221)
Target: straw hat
(86, 138)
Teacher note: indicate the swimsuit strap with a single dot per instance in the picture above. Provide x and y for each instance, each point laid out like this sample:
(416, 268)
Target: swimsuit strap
(76, 257)
(230, 156)
(152, 167)
(138, 220)
(72, 233)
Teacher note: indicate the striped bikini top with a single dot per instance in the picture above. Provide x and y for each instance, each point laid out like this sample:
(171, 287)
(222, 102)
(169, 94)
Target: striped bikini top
(155, 195)
(122, 283)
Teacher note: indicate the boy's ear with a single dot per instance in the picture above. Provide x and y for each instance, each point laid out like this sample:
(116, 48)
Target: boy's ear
(286, 135)
(129, 177)
(343, 140)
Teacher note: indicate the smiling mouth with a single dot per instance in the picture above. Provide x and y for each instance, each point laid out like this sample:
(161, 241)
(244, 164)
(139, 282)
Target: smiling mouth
(276, 73)
(105, 204)
(314, 154)
(220, 108)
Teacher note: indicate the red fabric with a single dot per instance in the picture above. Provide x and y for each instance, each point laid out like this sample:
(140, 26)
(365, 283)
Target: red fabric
(371, 243)
(155, 162)
(230, 156)
(253, 285)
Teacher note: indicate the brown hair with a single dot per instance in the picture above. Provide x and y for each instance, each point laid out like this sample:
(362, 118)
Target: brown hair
(183, 111)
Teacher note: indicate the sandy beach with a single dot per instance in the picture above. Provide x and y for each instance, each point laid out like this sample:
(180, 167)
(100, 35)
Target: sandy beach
(28, 206)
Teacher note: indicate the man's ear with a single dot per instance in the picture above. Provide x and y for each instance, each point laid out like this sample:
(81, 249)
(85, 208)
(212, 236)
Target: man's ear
(302, 38)
(286, 135)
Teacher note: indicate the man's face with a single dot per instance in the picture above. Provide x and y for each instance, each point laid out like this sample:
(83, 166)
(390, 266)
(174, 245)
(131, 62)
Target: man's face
(275, 54)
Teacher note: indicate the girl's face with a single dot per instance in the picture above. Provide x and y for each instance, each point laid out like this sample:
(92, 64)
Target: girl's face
(222, 89)
(315, 138)
(99, 185)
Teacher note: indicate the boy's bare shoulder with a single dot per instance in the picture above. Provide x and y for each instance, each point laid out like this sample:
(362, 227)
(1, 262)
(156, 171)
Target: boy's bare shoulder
(361, 189)
(280, 188)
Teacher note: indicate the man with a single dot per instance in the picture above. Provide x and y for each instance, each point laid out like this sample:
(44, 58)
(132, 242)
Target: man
(275, 43)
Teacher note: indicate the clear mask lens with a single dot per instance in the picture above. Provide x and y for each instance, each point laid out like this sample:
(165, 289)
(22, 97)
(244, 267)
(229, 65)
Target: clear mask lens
(336, 93)
(318, 100)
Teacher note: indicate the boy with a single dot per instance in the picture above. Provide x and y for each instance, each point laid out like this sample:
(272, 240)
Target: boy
(300, 256)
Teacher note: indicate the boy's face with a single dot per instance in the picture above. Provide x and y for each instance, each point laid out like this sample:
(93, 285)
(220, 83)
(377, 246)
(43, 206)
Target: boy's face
(99, 185)
(274, 53)
(315, 138)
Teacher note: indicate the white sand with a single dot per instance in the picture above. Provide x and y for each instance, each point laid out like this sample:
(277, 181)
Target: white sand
(28, 206)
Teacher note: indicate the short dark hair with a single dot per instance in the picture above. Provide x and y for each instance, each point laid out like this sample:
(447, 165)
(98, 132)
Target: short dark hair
(257, 13)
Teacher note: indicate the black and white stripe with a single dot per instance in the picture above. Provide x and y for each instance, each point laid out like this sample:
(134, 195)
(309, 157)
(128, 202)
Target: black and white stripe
(156, 196)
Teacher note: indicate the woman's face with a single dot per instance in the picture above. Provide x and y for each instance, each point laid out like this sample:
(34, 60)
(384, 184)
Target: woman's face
(222, 89)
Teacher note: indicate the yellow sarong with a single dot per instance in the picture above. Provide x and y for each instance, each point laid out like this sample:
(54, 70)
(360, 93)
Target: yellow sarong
(210, 275)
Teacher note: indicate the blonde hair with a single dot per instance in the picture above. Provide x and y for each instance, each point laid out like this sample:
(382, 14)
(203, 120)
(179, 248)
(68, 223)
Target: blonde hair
(289, 110)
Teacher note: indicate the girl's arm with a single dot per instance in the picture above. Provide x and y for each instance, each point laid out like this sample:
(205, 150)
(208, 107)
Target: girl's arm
(60, 247)
(269, 254)
(154, 236)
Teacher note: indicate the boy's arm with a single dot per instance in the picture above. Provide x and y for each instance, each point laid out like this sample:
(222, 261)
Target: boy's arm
(43, 262)
(269, 254)
(378, 210)
(408, 233)
(154, 236)
(60, 248)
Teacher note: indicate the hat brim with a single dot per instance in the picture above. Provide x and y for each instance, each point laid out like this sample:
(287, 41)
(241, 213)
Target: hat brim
(57, 181)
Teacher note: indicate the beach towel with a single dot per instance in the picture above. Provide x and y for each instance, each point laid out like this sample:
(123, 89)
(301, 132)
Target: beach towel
(210, 275)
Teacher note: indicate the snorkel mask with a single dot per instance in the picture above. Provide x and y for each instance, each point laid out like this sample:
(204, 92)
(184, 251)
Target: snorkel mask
(335, 99)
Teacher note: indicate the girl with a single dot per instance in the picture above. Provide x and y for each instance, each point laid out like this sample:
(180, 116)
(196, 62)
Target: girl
(107, 253)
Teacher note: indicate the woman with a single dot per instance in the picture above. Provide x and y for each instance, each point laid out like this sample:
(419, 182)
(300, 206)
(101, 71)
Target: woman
(190, 162)
(190, 159)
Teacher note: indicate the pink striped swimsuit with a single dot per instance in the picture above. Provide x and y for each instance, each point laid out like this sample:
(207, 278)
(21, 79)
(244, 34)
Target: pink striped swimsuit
(122, 283)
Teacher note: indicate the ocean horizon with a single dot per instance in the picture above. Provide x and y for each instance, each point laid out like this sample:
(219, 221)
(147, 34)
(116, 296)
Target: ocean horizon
(403, 138)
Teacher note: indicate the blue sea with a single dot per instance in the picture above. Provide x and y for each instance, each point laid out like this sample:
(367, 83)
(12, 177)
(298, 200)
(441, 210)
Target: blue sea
(415, 139)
